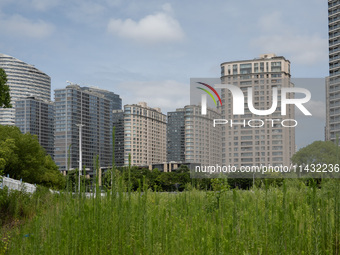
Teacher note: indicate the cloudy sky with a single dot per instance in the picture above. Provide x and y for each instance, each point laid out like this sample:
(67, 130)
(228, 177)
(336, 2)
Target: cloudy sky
(149, 50)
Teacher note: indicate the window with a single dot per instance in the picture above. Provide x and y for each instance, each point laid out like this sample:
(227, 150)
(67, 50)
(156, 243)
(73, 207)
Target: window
(234, 69)
(245, 68)
(276, 66)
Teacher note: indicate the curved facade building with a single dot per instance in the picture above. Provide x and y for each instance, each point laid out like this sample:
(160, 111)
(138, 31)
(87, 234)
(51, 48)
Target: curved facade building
(24, 80)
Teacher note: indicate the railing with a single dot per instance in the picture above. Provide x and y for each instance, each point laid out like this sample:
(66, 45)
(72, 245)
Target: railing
(13, 184)
(17, 185)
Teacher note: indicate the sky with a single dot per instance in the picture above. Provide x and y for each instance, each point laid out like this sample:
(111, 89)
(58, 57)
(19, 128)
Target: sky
(149, 50)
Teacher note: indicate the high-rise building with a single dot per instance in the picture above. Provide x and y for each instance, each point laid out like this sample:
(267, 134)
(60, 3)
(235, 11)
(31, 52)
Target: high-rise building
(202, 139)
(23, 80)
(243, 145)
(118, 123)
(75, 105)
(176, 136)
(333, 81)
(144, 135)
(192, 138)
(116, 100)
(36, 116)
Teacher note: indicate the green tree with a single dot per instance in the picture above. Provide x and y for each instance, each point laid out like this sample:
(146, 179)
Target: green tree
(5, 99)
(319, 152)
(22, 157)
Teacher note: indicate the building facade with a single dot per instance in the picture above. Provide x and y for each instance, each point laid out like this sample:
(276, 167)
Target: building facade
(333, 81)
(116, 100)
(118, 123)
(192, 138)
(202, 139)
(242, 144)
(176, 136)
(144, 135)
(23, 80)
(75, 105)
(36, 116)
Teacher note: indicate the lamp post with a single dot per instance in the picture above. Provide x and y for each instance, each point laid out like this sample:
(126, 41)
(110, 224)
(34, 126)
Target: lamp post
(80, 154)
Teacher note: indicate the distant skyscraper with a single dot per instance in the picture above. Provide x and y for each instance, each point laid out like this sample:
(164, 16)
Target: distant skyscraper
(23, 80)
(192, 137)
(118, 123)
(271, 144)
(144, 135)
(75, 105)
(176, 136)
(333, 81)
(36, 116)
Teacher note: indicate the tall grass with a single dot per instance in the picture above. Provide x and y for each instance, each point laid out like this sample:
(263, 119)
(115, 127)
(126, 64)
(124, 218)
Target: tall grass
(292, 219)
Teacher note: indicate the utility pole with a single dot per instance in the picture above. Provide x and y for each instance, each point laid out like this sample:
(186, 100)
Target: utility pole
(80, 153)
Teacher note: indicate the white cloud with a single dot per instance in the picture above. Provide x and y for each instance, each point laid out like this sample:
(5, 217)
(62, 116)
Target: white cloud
(168, 95)
(155, 28)
(296, 45)
(19, 26)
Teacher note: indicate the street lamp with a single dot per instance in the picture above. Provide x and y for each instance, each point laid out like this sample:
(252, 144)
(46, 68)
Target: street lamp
(80, 153)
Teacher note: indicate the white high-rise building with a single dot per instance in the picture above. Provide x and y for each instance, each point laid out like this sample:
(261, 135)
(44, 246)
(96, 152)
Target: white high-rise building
(23, 80)
(144, 135)
(272, 144)
(333, 81)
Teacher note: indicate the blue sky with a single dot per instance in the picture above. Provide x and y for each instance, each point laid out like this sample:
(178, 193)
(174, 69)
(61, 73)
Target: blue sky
(149, 50)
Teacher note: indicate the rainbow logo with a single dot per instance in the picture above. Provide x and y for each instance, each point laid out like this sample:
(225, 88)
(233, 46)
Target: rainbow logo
(209, 93)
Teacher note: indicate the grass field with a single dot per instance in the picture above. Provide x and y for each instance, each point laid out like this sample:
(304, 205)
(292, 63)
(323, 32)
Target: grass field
(291, 219)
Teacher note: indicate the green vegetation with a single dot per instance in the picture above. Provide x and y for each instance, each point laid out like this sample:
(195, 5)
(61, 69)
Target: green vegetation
(22, 157)
(5, 98)
(319, 152)
(291, 219)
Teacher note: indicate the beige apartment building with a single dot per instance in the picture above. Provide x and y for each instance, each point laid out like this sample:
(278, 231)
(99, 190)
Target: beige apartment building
(272, 143)
(333, 81)
(202, 140)
(144, 135)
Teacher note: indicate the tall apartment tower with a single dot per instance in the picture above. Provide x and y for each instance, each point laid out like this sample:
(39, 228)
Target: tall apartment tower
(243, 145)
(36, 116)
(333, 81)
(76, 105)
(116, 100)
(176, 136)
(23, 80)
(202, 139)
(118, 123)
(144, 135)
(192, 137)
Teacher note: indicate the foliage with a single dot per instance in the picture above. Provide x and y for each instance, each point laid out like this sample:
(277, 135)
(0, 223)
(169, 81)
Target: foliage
(290, 219)
(5, 98)
(19, 205)
(22, 157)
(317, 152)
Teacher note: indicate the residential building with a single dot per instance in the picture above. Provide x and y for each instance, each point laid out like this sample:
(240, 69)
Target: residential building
(202, 139)
(36, 116)
(75, 105)
(118, 123)
(116, 100)
(176, 136)
(244, 145)
(144, 135)
(192, 137)
(333, 81)
(23, 80)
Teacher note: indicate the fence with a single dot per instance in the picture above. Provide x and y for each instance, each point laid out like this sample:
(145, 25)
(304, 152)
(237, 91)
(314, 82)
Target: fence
(17, 185)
